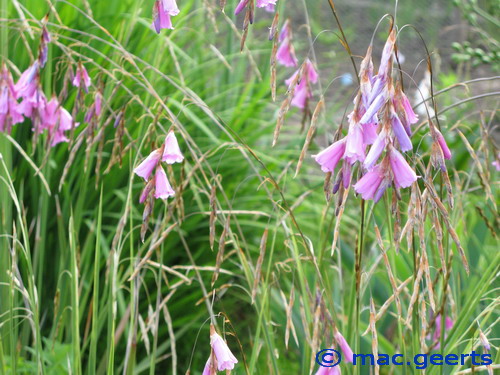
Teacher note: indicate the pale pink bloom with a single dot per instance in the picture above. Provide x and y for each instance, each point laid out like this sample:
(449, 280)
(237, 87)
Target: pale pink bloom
(145, 169)
(330, 156)
(81, 76)
(33, 99)
(376, 150)
(496, 163)
(400, 132)
(161, 18)
(10, 113)
(27, 82)
(344, 346)
(355, 146)
(270, 8)
(265, 3)
(302, 90)
(369, 184)
(56, 120)
(403, 174)
(170, 7)
(448, 324)
(172, 153)
(225, 359)
(163, 190)
(286, 54)
(259, 3)
(442, 144)
(210, 367)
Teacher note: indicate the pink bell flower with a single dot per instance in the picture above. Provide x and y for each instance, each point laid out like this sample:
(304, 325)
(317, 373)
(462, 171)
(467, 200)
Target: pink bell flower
(369, 184)
(27, 82)
(330, 156)
(172, 153)
(355, 146)
(56, 120)
(259, 3)
(286, 53)
(302, 90)
(344, 346)
(161, 17)
(145, 169)
(163, 190)
(403, 174)
(10, 113)
(436, 337)
(225, 359)
(170, 7)
(81, 78)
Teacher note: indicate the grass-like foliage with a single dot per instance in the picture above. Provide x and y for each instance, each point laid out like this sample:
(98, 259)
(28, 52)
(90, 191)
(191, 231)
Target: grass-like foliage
(239, 240)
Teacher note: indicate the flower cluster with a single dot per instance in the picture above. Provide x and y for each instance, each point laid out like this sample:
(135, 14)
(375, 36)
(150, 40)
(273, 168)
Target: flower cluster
(221, 357)
(300, 82)
(382, 119)
(162, 11)
(159, 186)
(26, 99)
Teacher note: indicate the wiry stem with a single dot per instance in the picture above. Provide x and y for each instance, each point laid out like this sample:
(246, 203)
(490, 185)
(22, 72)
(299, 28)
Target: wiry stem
(345, 44)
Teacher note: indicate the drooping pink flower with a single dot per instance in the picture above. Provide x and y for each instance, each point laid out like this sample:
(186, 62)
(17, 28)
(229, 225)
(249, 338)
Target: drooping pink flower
(210, 366)
(34, 101)
(259, 3)
(355, 145)
(403, 174)
(172, 153)
(27, 82)
(270, 8)
(496, 163)
(163, 190)
(286, 53)
(368, 185)
(98, 103)
(344, 346)
(436, 337)
(330, 156)
(161, 18)
(145, 169)
(10, 113)
(225, 359)
(442, 144)
(81, 78)
(56, 120)
(303, 90)
(170, 7)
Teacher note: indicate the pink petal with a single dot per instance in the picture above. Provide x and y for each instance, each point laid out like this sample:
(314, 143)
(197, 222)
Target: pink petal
(145, 169)
(403, 174)
(330, 156)
(172, 153)
(163, 190)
